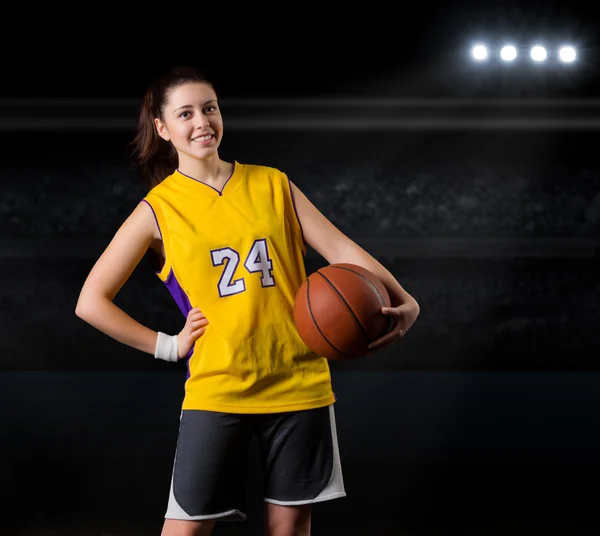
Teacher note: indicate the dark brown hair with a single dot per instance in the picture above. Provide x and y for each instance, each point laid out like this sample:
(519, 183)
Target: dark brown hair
(156, 157)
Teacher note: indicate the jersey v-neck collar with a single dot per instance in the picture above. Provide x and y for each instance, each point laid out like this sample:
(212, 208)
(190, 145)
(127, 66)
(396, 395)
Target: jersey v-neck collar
(206, 189)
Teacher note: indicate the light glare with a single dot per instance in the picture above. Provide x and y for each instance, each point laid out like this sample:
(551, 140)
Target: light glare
(567, 54)
(508, 53)
(538, 53)
(479, 52)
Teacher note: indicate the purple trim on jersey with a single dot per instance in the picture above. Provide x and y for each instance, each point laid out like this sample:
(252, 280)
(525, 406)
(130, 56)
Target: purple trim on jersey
(178, 293)
(183, 302)
(159, 231)
(208, 185)
(296, 211)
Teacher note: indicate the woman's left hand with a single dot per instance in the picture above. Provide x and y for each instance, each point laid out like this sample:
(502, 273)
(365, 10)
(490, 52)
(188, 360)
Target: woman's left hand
(404, 317)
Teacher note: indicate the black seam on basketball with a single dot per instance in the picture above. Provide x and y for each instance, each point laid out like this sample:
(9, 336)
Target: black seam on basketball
(363, 278)
(390, 319)
(315, 322)
(358, 323)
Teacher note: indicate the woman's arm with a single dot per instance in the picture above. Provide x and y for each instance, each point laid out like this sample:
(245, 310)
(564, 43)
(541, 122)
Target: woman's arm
(109, 274)
(327, 240)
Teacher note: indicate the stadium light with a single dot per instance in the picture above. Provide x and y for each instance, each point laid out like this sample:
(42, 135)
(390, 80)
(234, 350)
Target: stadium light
(538, 53)
(479, 52)
(508, 53)
(567, 54)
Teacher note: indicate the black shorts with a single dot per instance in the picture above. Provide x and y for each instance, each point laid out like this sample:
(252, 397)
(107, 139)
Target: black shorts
(298, 451)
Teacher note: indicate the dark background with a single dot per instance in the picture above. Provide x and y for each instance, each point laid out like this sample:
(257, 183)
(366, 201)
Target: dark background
(477, 186)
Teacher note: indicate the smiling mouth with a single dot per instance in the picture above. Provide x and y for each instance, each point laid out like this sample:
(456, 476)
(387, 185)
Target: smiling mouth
(206, 137)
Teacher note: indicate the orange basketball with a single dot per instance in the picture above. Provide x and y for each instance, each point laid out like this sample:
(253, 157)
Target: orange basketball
(337, 311)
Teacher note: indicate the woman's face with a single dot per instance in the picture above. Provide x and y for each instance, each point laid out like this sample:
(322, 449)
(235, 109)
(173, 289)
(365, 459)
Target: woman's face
(192, 120)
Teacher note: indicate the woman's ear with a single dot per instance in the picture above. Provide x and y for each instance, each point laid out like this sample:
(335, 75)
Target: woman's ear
(162, 129)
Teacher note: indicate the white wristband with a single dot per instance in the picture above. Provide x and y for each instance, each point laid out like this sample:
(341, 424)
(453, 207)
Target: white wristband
(166, 347)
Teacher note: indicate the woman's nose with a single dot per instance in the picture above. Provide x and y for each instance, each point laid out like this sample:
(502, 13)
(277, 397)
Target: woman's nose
(202, 122)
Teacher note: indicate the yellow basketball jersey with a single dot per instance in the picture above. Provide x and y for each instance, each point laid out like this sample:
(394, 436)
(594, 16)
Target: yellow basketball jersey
(238, 255)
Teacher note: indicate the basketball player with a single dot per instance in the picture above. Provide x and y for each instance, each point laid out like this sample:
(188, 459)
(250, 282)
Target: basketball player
(229, 239)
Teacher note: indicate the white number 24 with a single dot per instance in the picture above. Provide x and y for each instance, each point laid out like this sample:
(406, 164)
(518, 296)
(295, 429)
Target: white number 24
(257, 260)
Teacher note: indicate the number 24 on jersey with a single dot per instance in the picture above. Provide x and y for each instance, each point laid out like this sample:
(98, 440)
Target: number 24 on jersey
(257, 260)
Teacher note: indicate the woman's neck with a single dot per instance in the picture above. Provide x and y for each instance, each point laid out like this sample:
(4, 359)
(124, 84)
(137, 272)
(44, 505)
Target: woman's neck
(211, 171)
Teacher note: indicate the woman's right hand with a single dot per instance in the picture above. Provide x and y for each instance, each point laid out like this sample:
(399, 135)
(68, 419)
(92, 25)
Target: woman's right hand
(194, 328)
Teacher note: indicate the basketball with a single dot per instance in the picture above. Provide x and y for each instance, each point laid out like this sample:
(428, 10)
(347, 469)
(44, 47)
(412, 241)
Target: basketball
(337, 311)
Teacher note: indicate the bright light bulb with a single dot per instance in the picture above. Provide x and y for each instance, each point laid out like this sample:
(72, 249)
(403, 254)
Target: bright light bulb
(479, 52)
(567, 54)
(508, 53)
(538, 53)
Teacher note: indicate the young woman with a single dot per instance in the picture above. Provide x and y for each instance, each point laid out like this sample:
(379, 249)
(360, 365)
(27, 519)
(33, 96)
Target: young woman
(230, 240)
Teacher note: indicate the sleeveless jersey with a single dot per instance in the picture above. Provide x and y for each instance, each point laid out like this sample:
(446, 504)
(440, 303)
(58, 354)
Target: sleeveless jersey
(238, 255)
